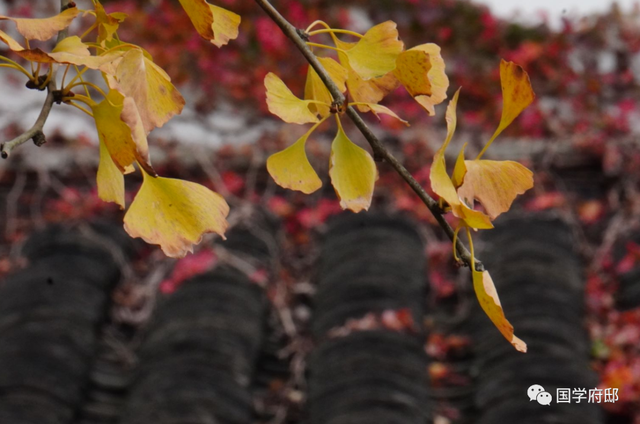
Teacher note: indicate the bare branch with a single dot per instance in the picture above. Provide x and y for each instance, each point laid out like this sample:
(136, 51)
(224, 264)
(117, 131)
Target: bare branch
(296, 36)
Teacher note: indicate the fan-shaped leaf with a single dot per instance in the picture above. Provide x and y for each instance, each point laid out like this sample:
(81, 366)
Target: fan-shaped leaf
(316, 90)
(109, 179)
(291, 169)
(43, 29)
(374, 55)
(213, 23)
(284, 104)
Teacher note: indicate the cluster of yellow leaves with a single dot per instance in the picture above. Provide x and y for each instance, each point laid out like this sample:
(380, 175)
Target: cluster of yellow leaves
(494, 184)
(368, 69)
(139, 97)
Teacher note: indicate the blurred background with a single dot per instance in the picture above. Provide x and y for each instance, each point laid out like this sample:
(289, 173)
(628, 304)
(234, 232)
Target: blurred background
(580, 137)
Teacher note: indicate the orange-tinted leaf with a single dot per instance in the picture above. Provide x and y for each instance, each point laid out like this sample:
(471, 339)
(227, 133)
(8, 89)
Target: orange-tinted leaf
(72, 50)
(109, 179)
(213, 23)
(490, 303)
(421, 70)
(284, 104)
(374, 55)
(353, 173)
(291, 169)
(175, 214)
(150, 87)
(495, 184)
(10, 41)
(44, 28)
(316, 90)
(517, 94)
(116, 134)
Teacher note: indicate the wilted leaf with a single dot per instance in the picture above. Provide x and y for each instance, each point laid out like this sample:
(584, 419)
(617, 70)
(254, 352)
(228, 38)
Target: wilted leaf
(353, 173)
(109, 179)
(379, 109)
(213, 23)
(291, 169)
(490, 303)
(316, 90)
(175, 214)
(116, 134)
(150, 87)
(495, 184)
(442, 185)
(374, 55)
(459, 170)
(284, 104)
(421, 71)
(44, 28)
(517, 94)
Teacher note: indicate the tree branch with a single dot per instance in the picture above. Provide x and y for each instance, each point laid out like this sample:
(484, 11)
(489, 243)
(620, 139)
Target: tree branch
(297, 37)
(35, 132)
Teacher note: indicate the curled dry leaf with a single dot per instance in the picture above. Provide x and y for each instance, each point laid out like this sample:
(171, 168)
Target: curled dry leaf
(175, 214)
(284, 104)
(490, 303)
(316, 90)
(291, 169)
(495, 184)
(421, 71)
(109, 178)
(379, 109)
(213, 23)
(150, 87)
(43, 29)
(353, 173)
(374, 55)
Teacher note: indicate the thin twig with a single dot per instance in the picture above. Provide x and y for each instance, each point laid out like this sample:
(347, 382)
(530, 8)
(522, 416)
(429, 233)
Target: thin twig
(35, 132)
(298, 38)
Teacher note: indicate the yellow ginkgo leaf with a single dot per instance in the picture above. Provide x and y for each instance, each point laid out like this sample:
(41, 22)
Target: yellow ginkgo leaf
(379, 109)
(495, 184)
(353, 173)
(459, 169)
(10, 41)
(44, 28)
(213, 23)
(291, 169)
(421, 71)
(150, 87)
(108, 23)
(374, 55)
(517, 94)
(441, 183)
(72, 50)
(116, 133)
(361, 91)
(175, 214)
(284, 104)
(109, 179)
(315, 89)
(490, 303)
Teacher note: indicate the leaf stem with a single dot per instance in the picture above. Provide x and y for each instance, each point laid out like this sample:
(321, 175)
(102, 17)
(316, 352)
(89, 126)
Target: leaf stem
(17, 66)
(334, 31)
(86, 83)
(81, 108)
(324, 46)
(315, 23)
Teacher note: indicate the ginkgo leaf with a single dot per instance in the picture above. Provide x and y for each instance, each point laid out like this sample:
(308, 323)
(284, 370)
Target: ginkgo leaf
(150, 87)
(443, 186)
(459, 169)
(175, 214)
(315, 89)
(109, 179)
(353, 173)
(361, 91)
(44, 28)
(284, 104)
(379, 109)
(10, 41)
(517, 94)
(291, 169)
(374, 55)
(108, 23)
(116, 134)
(213, 23)
(421, 71)
(72, 50)
(490, 303)
(495, 184)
